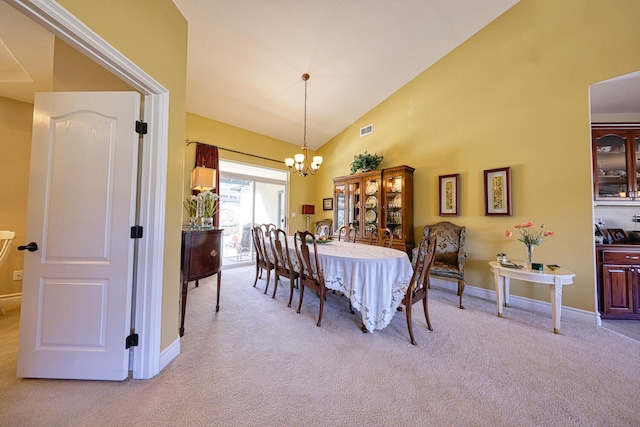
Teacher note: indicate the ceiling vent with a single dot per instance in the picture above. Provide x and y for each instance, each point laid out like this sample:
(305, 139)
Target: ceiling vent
(366, 130)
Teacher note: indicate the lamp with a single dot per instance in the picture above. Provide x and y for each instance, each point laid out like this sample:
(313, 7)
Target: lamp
(308, 210)
(203, 178)
(301, 161)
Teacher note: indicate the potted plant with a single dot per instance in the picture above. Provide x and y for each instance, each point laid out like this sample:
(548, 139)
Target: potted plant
(365, 162)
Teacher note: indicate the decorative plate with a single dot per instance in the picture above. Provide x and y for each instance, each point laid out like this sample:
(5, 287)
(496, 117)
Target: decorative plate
(372, 202)
(371, 188)
(371, 216)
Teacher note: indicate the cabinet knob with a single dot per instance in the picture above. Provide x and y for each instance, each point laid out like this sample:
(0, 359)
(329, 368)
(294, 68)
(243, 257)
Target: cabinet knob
(213, 253)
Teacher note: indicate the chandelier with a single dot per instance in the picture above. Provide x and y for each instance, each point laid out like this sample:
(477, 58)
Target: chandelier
(300, 161)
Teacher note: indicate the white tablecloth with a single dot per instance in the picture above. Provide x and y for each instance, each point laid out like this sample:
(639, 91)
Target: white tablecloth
(374, 278)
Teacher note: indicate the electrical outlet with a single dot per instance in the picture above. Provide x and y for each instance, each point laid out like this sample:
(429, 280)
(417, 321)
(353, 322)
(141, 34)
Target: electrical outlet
(17, 275)
(635, 218)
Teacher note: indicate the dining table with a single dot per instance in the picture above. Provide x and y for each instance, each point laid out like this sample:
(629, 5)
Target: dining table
(374, 278)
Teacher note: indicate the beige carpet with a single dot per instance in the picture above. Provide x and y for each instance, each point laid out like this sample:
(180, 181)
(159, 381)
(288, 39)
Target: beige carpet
(258, 363)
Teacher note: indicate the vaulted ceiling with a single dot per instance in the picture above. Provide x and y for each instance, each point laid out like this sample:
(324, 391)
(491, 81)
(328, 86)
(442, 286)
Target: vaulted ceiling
(246, 58)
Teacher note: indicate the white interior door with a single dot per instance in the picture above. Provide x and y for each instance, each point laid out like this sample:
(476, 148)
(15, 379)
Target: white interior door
(76, 294)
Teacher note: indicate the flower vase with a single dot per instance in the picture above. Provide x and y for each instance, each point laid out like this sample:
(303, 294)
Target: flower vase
(528, 260)
(207, 222)
(193, 222)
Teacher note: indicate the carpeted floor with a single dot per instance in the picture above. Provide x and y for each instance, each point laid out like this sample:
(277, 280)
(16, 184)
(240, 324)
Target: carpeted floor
(258, 363)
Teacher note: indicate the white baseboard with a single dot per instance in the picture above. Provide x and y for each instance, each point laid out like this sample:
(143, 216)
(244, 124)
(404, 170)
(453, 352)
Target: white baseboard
(519, 302)
(11, 299)
(170, 353)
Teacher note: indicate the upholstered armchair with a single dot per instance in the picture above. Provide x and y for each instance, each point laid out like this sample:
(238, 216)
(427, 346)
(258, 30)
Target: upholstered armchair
(450, 255)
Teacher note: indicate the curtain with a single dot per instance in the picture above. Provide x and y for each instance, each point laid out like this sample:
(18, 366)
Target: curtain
(207, 156)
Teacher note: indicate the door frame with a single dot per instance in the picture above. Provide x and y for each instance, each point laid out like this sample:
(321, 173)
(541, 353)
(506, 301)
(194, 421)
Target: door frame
(145, 358)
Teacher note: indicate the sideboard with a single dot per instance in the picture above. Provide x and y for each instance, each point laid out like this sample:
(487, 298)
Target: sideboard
(201, 257)
(618, 269)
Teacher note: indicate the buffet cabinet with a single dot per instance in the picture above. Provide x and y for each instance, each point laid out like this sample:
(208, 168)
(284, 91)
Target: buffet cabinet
(376, 199)
(616, 162)
(201, 257)
(618, 281)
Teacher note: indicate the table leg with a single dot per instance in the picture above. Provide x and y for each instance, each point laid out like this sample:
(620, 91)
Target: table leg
(499, 292)
(218, 295)
(507, 283)
(183, 306)
(556, 303)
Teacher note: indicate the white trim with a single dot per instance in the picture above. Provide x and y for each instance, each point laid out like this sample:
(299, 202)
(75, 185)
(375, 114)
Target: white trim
(10, 300)
(148, 297)
(169, 353)
(517, 301)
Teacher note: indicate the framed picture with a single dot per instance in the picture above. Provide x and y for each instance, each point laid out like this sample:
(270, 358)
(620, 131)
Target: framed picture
(497, 191)
(448, 191)
(634, 236)
(327, 204)
(617, 234)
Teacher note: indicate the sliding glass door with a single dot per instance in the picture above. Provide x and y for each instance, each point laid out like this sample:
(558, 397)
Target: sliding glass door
(249, 196)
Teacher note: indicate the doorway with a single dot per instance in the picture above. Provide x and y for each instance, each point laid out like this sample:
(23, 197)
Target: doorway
(250, 195)
(146, 359)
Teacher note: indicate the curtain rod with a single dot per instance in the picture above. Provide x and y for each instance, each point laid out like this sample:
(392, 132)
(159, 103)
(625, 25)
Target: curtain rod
(235, 151)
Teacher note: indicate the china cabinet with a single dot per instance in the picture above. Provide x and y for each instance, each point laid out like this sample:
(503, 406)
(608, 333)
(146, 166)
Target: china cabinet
(377, 199)
(616, 162)
(618, 281)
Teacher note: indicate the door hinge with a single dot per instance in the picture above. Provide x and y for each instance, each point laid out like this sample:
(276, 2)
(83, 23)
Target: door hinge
(141, 127)
(131, 341)
(136, 232)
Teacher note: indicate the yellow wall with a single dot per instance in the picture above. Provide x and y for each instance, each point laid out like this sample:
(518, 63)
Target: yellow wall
(202, 129)
(153, 34)
(515, 94)
(72, 71)
(15, 149)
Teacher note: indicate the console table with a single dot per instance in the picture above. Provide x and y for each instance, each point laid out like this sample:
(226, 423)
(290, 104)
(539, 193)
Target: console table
(201, 257)
(556, 279)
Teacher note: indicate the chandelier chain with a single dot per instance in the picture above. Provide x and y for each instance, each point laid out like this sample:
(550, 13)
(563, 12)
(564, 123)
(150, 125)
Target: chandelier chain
(300, 162)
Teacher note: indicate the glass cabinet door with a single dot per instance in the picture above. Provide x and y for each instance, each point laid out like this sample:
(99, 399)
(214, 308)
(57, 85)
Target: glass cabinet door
(354, 204)
(611, 164)
(394, 187)
(636, 168)
(371, 204)
(340, 205)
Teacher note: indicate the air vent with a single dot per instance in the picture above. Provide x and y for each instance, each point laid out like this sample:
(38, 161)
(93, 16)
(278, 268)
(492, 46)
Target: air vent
(366, 130)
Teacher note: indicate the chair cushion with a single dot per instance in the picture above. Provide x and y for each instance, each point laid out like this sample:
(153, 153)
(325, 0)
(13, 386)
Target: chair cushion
(446, 270)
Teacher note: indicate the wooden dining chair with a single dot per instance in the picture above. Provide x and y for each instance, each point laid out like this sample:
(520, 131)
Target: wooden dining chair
(324, 226)
(418, 289)
(381, 237)
(283, 264)
(347, 234)
(263, 260)
(266, 228)
(450, 252)
(311, 275)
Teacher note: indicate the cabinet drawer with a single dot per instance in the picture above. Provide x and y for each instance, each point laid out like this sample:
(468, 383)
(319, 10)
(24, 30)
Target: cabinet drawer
(612, 257)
